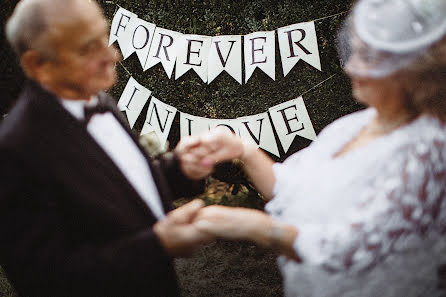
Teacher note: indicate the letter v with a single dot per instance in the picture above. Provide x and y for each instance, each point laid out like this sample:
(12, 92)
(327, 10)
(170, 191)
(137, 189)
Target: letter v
(223, 62)
(256, 139)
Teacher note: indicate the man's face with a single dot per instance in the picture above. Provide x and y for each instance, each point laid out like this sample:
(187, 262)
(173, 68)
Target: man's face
(82, 64)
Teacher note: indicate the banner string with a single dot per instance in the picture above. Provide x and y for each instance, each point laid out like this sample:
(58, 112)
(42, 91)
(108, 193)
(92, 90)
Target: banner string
(125, 68)
(330, 16)
(317, 85)
(301, 95)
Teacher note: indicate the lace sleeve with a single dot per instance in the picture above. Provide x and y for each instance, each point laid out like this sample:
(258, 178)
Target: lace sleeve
(392, 214)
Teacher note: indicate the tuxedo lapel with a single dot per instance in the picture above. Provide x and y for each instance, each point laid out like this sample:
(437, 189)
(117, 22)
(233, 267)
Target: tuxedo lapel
(68, 141)
(164, 191)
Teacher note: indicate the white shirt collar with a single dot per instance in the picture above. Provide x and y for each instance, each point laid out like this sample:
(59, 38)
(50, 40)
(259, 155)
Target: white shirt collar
(76, 107)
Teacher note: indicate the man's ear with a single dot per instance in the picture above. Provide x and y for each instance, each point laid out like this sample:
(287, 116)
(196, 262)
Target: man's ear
(35, 66)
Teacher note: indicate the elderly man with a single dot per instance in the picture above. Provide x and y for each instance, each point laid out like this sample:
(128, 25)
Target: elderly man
(82, 209)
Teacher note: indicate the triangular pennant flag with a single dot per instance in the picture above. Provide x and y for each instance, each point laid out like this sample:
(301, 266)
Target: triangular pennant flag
(260, 51)
(133, 99)
(232, 125)
(297, 42)
(160, 117)
(120, 28)
(141, 36)
(193, 54)
(192, 125)
(290, 119)
(163, 49)
(257, 129)
(225, 54)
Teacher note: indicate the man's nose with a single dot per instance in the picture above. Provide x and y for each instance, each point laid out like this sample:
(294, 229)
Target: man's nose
(115, 55)
(110, 53)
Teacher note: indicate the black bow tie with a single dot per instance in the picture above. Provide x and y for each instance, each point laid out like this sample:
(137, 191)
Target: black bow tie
(90, 110)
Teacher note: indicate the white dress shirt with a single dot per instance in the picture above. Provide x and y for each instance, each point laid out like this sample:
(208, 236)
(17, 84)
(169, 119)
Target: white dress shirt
(120, 147)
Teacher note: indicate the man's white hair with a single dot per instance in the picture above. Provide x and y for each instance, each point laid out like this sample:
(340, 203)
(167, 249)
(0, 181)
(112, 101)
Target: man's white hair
(30, 21)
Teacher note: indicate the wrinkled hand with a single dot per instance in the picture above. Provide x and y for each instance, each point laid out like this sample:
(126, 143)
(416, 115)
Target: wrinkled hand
(177, 233)
(222, 145)
(234, 223)
(238, 223)
(191, 153)
(199, 154)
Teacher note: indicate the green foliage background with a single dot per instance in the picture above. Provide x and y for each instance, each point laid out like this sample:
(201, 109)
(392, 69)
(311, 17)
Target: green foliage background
(224, 97)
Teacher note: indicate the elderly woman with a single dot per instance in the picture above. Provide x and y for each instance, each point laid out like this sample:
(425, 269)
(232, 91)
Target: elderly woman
(362, 210)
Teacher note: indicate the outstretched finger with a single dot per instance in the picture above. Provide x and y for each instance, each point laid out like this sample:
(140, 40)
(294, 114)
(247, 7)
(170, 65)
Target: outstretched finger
(186, 213)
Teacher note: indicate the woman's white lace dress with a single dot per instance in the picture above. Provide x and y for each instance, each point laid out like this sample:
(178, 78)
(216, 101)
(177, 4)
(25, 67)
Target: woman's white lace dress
(372, 222)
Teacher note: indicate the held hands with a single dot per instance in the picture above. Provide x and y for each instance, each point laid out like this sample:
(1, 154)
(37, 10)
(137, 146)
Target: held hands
(235, 223)
(192, 225)
(177, 233)
(199, 154)
(248, 224)
(191, 152)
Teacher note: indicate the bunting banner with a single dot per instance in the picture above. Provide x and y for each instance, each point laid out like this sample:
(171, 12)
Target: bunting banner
(298, 42)
(194, 57)
(159, 118)
(257, 129)
(140, 39)
(231, 124)
(120, 29)
(288, 119)
(210, 56)
(133, 99)
(164, 49)
(225, 54)
(260, 51)
(192, 125)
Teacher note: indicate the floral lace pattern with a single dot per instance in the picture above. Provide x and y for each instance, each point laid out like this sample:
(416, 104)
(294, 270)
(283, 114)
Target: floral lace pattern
(377, 211)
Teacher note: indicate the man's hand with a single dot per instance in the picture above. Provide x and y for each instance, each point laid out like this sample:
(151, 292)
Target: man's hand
(191, 153)
(177, 233)
(199, 154)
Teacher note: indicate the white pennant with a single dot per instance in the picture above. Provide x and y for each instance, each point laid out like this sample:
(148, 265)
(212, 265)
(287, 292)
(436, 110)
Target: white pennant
(297, 42)
(141, 36)
(163, 49)
(192, 125)
(260, 51)
(193, 54)
(159, 118)
(232, 125)
(257, 129)
(225, 54)
(133, 99)
(290, 119)
(120, 28)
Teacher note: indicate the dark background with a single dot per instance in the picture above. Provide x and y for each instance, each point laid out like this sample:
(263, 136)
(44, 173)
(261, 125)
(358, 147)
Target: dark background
(224, 268)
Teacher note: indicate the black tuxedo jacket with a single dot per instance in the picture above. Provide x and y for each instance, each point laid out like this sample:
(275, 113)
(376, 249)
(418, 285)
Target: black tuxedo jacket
(70, 222)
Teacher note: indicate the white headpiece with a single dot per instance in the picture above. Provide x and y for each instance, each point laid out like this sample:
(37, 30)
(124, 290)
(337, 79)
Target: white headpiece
(383, 36)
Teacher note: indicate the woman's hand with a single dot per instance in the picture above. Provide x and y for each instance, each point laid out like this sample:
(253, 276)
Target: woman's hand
(199, 155)
(234, 223)
(238, 223)
(222, 146)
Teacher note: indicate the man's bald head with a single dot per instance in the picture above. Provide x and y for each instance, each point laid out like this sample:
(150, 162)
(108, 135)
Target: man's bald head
(33, 19)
